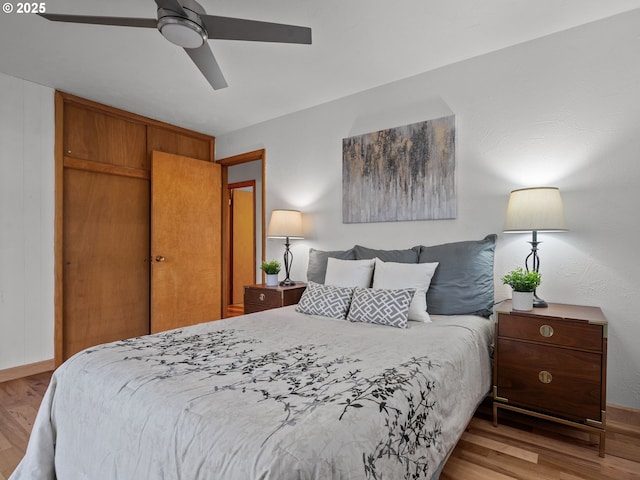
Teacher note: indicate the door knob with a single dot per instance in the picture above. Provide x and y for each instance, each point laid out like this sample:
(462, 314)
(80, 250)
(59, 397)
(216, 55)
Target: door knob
(159, 258)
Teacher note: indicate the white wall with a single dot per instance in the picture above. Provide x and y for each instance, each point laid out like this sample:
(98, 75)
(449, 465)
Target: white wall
(562, 111)
(26, 222)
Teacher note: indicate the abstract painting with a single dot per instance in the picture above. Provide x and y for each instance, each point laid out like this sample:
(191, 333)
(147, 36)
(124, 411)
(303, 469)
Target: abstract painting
(400, 174)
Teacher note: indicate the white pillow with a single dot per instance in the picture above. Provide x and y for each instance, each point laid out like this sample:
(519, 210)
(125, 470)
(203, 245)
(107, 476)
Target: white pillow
(349, 273)
(391, 275)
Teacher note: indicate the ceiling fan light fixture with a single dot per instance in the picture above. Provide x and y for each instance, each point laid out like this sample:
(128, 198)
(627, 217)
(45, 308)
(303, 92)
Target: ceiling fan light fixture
(182, 32)
(185, 23)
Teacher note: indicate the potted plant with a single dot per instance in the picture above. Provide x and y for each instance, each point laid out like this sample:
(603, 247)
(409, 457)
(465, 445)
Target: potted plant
(271, 270)
(523, 283)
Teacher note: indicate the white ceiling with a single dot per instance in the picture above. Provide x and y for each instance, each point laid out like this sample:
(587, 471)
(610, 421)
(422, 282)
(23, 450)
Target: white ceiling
(357, 45)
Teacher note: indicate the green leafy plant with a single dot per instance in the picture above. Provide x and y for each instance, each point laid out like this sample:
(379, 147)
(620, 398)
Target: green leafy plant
(522, 280)
(271, 268)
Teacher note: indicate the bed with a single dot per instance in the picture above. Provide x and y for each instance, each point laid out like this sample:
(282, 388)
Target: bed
(280, 394)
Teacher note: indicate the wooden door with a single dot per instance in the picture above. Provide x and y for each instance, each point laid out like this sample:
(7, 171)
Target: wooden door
(105, 259)
(243, 241)
(185, 241)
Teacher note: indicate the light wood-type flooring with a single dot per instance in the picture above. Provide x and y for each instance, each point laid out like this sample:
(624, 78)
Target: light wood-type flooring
(519, 448)
(19, 403)
(235, 310)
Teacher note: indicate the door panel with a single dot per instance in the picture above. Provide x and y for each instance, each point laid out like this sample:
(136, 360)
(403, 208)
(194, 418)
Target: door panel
(99, 137)
(105, 257)
(165, 140)
(243, 240)
(185, 241)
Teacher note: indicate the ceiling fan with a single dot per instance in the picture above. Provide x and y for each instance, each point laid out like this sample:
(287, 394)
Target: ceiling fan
(186, 24)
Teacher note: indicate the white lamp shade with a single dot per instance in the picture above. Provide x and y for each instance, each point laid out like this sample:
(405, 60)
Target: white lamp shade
(285, 223)
(535, 209)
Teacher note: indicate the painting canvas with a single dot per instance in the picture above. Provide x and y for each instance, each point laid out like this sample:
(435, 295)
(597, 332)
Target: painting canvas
(400, 174)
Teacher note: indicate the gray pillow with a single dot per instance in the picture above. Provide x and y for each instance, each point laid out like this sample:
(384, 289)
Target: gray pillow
(463, 282)
(398, 256)
(317, 268)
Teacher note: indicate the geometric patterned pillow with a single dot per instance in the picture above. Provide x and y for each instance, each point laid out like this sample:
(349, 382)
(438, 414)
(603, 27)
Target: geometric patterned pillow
(384, 307)
(325, 300)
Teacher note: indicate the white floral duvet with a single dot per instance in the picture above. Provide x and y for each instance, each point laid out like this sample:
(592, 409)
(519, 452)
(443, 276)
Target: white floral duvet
(275, 395)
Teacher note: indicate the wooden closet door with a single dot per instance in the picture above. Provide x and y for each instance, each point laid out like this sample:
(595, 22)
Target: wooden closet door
(106, 259)
(186, 248)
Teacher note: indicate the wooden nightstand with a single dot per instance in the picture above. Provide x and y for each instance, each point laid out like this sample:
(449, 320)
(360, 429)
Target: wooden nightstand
(551, 363)
(260, 297)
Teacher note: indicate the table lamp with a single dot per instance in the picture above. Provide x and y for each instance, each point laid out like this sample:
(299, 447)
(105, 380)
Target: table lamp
(536, 209)
(286, 224)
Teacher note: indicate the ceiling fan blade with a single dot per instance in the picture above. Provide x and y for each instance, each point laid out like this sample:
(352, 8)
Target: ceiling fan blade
(227, 28)
(206, 62)
(172, 5)
(118, 21)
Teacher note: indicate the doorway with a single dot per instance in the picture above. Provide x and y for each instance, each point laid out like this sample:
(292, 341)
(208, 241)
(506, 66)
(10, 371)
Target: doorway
(242, 239)
(243, 170)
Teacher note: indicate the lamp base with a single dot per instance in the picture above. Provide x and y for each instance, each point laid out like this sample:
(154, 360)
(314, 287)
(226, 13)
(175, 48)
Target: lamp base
(538, 302)
(535, 266)
(288, 261)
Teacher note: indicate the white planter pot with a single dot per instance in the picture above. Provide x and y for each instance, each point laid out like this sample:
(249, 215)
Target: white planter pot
(522, 301)
(272, 279)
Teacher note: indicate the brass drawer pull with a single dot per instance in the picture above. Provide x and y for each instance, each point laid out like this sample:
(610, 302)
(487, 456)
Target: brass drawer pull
(546, 331)
(545, 377)
(261, 297)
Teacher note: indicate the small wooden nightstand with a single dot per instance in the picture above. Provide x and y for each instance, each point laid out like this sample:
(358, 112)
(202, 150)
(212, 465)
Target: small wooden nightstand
(551, 363)
(260, 297)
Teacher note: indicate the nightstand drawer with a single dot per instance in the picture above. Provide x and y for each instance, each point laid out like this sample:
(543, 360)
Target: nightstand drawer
(551, 331)
(263, 296)
(260, 297)
(550, 379)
